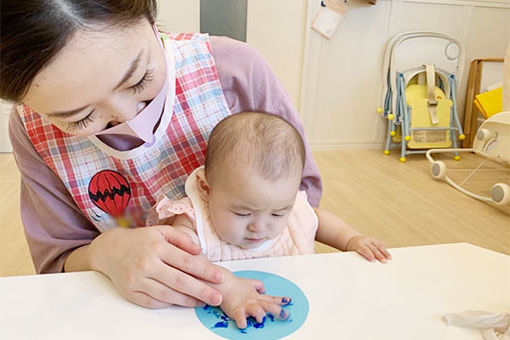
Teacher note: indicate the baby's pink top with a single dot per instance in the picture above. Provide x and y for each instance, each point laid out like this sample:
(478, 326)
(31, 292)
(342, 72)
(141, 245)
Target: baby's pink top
(297, 238)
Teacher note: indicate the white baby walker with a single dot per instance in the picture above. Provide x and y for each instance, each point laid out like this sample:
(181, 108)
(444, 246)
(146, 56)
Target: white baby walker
(492, 142)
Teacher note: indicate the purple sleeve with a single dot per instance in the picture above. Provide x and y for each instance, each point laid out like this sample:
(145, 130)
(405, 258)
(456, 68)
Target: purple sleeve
(249, 84)
(54, 225)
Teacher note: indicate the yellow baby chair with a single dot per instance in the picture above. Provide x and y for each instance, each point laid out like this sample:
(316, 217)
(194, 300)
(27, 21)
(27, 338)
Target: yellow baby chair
(420, 92)
(492, 142)
(429, 107)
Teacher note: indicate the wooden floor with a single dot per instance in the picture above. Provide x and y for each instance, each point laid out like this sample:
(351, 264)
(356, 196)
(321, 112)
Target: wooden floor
(14, 256)
(398, 203)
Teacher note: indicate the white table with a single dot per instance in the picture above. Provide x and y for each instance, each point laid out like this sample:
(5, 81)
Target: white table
(350, 298)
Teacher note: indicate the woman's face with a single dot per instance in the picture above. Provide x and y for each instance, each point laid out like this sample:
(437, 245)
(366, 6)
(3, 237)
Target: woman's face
(99, 79)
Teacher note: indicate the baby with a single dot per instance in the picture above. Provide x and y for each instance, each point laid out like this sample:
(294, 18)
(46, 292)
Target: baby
(246, 203)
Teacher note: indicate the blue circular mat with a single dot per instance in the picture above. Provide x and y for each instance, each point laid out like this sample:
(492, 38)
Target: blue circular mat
(271, 328)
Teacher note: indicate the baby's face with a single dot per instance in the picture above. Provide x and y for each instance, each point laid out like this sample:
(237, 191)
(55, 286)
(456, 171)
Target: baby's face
(247, 210)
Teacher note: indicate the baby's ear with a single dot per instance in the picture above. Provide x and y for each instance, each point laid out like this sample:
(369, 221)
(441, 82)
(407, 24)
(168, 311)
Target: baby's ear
(203, 186)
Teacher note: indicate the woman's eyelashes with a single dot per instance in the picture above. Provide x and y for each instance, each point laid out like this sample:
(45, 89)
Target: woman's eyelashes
(142, 83)
(81, 124)
(137, 88)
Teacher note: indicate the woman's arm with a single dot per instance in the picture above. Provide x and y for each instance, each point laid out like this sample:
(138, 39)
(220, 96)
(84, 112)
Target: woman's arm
(54, 225)
(153, 267)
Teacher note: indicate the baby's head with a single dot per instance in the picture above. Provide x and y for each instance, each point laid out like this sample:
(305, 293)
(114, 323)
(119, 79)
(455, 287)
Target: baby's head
(253, 171)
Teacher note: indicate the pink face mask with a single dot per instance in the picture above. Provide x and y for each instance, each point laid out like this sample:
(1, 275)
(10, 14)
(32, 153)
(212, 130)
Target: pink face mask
(142, 125)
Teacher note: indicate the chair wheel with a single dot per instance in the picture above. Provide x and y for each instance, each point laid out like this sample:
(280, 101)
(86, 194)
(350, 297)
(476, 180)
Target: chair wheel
(438, 169)
(500, 193)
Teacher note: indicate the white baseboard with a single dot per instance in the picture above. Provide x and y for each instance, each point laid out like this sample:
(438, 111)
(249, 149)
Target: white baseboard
(340, 145)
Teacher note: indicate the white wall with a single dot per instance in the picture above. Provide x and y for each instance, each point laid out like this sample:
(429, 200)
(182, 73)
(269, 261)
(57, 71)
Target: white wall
(5, 109)
(276, 29)
(342, 77)
(179, 16)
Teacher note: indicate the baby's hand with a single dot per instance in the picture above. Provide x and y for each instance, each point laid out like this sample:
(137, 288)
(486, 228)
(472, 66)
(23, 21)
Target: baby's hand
(245, 299)
(369, 248)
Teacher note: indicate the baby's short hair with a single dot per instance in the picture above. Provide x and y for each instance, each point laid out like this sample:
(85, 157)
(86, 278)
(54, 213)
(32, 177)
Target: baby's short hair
(265, 143)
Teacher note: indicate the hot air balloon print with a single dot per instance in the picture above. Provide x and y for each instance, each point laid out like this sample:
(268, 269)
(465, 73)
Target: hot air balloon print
(110, 192)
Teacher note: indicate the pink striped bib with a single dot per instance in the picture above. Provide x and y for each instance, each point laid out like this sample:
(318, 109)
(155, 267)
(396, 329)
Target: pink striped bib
(106, 183)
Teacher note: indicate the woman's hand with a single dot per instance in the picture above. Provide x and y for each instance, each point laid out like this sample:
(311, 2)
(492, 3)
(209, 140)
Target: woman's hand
(369, 247)
(243, 298)
(156, 267)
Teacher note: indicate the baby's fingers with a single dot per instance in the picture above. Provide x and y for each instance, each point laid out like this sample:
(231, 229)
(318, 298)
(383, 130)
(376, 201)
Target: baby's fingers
(377, 253)
(366, 252)
(382, 248)
(256, 311)
(279, 300)
(258, 285)
(240, 318)
(275, 309)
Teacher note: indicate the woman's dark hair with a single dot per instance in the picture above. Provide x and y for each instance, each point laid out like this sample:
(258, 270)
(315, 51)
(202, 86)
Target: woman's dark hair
(32, 32)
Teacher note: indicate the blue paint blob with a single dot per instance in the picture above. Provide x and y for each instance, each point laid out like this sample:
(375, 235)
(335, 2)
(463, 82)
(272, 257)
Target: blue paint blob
(270, 328)
(258, 325)
(221, 324)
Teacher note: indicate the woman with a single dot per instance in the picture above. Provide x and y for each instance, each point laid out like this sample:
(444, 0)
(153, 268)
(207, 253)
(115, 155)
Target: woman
(111, 109)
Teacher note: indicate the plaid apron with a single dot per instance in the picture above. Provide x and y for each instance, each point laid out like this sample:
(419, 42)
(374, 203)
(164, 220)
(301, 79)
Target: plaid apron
(107, 184)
